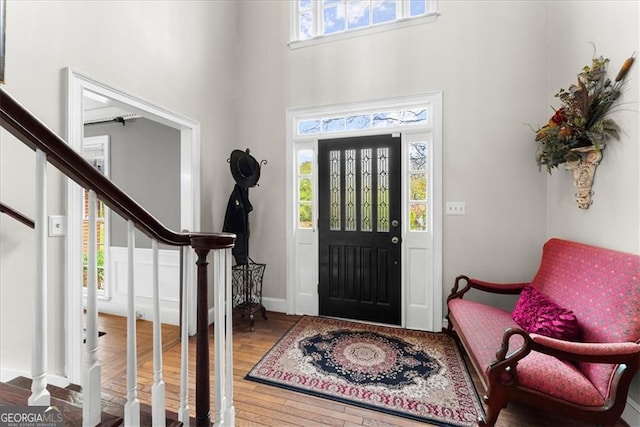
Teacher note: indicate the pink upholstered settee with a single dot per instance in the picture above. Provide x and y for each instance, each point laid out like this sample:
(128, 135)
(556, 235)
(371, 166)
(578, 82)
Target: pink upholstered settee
(587, 379)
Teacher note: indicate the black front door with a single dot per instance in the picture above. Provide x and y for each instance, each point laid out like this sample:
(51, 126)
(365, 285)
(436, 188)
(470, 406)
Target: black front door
(359, 228)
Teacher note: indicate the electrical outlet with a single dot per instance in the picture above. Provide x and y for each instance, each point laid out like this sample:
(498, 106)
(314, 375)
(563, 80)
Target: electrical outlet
(455, 208)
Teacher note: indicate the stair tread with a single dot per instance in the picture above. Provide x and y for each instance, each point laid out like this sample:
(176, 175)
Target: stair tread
(12, 395)
(17, 391)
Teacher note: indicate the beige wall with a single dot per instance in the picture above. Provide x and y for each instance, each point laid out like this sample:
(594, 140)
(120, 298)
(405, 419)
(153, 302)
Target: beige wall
(488, 58)
(175, 54)
(613, 220)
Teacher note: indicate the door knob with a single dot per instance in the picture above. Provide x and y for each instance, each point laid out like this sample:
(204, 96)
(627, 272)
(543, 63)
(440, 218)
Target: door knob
(395, 240)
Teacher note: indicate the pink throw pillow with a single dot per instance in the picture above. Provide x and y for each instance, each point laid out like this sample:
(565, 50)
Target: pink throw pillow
(535, 313)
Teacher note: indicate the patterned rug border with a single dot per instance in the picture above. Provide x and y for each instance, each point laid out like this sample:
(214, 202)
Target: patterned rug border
(360, 404)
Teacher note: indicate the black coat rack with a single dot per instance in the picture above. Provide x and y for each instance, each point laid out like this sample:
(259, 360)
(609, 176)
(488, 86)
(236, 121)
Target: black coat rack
(247, 274)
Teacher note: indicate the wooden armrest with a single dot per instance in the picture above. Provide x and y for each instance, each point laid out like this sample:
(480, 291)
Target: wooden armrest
(495, 288)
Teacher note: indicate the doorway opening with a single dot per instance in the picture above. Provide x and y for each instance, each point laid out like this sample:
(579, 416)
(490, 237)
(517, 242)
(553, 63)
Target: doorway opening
(359, 224)
(417, 123)
(79, 87)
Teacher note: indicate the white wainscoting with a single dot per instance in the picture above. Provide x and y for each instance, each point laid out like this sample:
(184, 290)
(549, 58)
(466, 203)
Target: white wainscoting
(169, 277)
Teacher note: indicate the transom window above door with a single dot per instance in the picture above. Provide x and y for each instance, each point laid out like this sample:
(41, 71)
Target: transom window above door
(325, 19)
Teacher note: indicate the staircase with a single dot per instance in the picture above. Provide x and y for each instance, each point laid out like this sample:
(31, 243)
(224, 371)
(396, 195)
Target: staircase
(92, 406)
(69, 399)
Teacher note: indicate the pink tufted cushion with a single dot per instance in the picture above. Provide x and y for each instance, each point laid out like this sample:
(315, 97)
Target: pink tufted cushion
(535, 313)
(602, 287)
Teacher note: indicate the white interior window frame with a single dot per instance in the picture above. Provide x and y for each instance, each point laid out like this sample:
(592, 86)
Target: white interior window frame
(103, 142)
(403, 21)
(414, 316)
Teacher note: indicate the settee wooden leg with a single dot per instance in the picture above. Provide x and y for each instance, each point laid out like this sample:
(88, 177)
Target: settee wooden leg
(494, 406)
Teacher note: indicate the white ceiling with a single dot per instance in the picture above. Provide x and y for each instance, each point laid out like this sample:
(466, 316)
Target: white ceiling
(99, 109)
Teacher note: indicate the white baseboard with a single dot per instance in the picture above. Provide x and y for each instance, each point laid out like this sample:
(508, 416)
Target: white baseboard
(271, 304)
(278, 305)
(631, 414)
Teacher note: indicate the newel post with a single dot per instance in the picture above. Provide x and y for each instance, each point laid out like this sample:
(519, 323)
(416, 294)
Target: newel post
(203, 402)
(203, 243)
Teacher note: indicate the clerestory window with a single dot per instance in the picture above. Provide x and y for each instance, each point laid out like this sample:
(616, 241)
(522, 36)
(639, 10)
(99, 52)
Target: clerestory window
(319, 19)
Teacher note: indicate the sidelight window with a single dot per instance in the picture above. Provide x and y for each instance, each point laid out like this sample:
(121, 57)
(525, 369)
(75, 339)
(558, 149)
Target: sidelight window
(418, 186)
(305, 189)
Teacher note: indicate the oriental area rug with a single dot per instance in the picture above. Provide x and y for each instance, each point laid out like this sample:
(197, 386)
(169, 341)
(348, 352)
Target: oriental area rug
(412, 374)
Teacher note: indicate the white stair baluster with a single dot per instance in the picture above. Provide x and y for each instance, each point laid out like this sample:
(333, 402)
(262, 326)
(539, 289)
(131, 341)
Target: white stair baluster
(183, 411)
(223, 338)
(91, 386)
(230, 411)
(132, 407)
(158, 389)
(39, 394)
(219, 332)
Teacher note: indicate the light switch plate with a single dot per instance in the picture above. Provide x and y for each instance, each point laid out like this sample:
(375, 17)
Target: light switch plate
(56, 225)
(455, 208)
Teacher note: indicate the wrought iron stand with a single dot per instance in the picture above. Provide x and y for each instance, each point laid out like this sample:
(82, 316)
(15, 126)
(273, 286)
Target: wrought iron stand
(247, 290)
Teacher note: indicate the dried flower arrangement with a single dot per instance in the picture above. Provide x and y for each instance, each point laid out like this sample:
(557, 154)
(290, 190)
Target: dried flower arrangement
(582, 120)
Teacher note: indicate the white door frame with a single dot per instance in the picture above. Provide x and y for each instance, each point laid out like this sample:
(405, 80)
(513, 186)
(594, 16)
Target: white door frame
(421, 305)
(77, 84)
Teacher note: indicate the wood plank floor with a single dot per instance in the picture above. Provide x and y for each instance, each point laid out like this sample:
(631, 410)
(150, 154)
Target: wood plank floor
(258, 404)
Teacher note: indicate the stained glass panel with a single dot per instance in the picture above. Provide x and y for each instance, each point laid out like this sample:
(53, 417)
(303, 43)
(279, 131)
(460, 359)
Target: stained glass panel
(350, 190)
(383, 189)
(365, 189)
(335, 205)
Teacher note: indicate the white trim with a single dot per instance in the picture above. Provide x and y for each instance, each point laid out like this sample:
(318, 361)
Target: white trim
(276, 305)
(169, 265)
(104, 142)
(77, 84)
(631, 413)
(433, 125)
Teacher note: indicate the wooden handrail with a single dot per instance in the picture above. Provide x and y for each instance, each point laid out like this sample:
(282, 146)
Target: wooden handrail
(17, 215)
(36, 135)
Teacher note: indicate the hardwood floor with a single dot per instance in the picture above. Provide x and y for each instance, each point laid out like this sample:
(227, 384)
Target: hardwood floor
(257, 404)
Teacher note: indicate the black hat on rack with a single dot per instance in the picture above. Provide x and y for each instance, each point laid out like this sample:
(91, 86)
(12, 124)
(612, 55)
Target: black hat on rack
(244, 168)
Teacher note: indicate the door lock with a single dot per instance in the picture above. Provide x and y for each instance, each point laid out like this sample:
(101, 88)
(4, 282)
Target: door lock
(395, 223)
(395, 240)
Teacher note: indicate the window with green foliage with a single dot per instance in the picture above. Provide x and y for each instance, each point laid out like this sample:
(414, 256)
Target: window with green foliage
(305, 189)
(418, 186)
